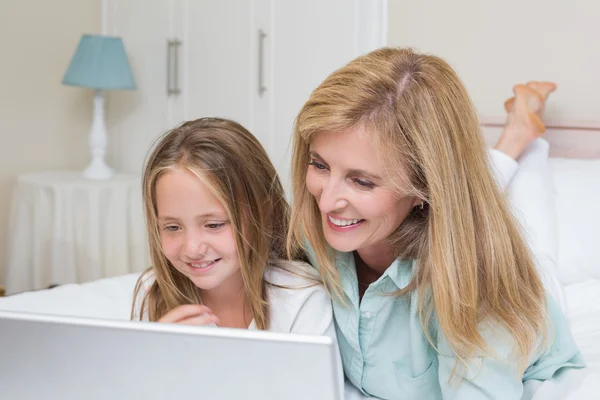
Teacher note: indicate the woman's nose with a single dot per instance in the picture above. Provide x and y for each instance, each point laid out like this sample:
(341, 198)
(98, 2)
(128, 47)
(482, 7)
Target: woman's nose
(333, 197)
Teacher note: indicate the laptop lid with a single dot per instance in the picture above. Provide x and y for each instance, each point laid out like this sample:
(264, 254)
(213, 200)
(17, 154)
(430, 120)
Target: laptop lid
(47, 356)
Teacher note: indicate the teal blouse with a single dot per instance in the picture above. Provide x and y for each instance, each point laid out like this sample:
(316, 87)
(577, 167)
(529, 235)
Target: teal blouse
(385, 353)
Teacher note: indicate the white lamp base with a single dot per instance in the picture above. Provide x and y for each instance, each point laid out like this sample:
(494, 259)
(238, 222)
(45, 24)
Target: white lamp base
(97, 169)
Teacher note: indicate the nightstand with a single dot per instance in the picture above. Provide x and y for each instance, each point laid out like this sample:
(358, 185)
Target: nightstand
(68, 229)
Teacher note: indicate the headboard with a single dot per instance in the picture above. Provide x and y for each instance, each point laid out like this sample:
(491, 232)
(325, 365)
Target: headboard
(568, 139)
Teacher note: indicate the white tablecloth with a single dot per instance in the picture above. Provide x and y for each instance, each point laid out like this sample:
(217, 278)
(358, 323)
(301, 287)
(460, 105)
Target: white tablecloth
(67, 229)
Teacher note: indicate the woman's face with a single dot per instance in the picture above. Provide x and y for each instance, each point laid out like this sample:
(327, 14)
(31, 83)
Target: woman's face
(359, 209)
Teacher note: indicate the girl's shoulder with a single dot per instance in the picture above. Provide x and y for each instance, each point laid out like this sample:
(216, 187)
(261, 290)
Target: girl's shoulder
(298, 302)
(142, 286)
(295, 274)
(145, 281)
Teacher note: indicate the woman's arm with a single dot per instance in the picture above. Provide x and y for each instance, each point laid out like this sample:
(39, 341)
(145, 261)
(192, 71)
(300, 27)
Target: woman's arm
(496, 375)
(485, 377)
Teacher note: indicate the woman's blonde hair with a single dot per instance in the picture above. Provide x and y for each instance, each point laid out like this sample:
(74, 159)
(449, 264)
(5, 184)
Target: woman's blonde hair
(236, 168)
(473, 266)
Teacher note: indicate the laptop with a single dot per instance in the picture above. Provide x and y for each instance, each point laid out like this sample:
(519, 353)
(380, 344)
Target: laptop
(56, 357)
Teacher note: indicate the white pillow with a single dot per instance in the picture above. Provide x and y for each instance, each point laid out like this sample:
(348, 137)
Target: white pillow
(577, 185)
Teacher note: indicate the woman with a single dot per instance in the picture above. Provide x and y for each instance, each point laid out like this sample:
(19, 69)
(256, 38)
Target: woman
(435, 291)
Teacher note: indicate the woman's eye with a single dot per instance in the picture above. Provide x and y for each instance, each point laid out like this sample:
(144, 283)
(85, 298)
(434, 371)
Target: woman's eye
(365, 184)
(215, 225)
(317, 165)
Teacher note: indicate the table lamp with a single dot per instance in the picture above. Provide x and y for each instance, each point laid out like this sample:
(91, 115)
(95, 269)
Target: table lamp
(99, 63)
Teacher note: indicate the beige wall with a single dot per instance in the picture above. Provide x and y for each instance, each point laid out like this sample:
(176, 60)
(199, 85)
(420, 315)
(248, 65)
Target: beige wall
(494, 44)
(43, 124)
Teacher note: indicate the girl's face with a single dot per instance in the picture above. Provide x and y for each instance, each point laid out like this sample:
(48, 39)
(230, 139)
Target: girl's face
(359, 209)
(195, 232)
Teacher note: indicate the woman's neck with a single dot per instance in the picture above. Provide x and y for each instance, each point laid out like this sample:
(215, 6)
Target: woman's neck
(227, 302)
(377, 257)
(371, 262)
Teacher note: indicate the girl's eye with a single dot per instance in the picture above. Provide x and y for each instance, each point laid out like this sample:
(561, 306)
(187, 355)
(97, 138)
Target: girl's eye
(364, 184)
(317, 165)
(215, 225)
(171, 228)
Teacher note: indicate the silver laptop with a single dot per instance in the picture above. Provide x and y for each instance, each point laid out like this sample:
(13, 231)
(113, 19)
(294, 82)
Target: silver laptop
(54, 357)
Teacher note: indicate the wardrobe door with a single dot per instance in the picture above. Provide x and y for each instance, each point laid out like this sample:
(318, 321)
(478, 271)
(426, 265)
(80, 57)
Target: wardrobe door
(217, 58)
(261, 68)
(311, 39)
(137, 117)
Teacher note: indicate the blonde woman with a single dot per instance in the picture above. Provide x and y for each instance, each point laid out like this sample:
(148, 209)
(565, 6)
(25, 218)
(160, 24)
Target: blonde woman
(217, 219)
(435, 292)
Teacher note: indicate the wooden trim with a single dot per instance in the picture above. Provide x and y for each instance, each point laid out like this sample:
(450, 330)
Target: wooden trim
(498, 122)
(568, 139)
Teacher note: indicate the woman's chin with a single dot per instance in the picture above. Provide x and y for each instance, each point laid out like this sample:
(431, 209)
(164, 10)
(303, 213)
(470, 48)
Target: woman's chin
(342, 245)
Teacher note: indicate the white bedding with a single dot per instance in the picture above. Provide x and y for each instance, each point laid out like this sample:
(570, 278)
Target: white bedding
(583, 305)
(111, 298)
(105, 298)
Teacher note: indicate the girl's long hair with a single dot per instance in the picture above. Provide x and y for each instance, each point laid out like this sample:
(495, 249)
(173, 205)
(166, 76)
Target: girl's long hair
(233, 164)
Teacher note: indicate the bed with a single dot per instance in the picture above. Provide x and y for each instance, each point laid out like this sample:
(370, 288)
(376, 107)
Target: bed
(575, 169)
(574, 166)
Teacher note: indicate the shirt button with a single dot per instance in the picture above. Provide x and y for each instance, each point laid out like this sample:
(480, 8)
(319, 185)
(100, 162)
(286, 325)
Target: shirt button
(368, 315)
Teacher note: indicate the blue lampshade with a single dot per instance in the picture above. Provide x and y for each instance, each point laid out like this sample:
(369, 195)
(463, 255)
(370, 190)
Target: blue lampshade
(100, 62)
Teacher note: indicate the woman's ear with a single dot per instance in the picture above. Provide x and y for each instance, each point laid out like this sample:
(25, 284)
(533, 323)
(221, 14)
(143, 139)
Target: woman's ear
(417, 203)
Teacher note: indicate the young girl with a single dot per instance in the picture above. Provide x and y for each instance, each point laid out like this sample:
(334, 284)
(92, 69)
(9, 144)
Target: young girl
(436, 294)
(217, 220)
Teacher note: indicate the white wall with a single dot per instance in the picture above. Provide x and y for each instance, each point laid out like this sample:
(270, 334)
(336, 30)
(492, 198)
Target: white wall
(494, 44)
(43, 124)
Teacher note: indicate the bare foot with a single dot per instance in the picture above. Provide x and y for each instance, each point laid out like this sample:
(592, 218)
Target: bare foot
(524, 123)
(543, 88)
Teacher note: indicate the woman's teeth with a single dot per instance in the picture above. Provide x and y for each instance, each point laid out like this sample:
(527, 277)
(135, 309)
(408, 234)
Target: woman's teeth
(344, 222)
